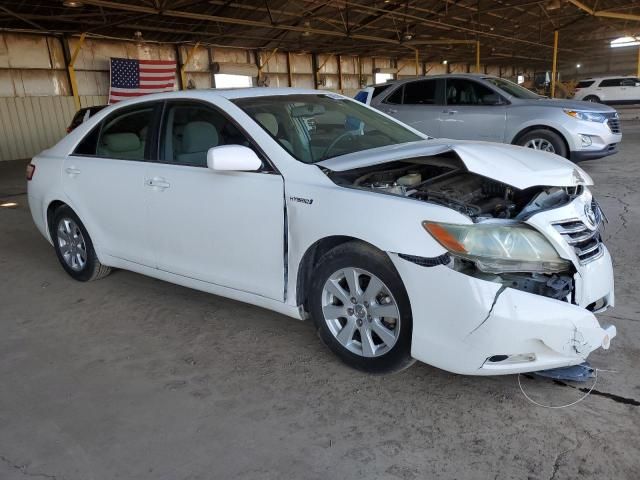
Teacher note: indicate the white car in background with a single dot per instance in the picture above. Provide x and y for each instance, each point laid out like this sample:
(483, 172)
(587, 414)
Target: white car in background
(615, 90)
(477, 258)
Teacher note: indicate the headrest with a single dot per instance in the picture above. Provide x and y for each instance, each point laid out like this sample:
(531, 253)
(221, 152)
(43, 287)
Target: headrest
(268, 121)
(121, 142)
(199, 137)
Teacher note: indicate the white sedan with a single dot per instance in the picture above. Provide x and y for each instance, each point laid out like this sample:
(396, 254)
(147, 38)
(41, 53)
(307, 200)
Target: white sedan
(473, 257)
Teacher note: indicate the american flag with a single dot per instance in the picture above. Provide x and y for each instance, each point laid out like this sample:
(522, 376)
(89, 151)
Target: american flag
(132, 78)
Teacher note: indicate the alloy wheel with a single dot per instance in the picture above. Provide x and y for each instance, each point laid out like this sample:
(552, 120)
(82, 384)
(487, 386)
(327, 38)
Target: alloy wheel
(540, 144)
(72, 245)
(361, 312)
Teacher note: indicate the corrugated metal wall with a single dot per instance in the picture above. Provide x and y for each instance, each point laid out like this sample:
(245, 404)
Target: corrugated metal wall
(36, 106)
(29, 125)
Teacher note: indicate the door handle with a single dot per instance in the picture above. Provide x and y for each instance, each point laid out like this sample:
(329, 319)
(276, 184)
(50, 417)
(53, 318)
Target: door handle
(72, 171)
(157, 182)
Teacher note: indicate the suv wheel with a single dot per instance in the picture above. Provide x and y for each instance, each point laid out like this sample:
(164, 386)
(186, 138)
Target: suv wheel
(361, 309)
(544, 140)
(74, 247)
(591, 98)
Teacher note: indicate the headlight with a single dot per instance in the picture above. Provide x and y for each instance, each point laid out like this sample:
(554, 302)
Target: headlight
(586, 116)
(499, 249)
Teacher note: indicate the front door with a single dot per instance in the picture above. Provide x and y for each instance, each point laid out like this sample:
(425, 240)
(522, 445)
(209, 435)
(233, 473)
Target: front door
(472, 112)
(225, 228)
(104, 180)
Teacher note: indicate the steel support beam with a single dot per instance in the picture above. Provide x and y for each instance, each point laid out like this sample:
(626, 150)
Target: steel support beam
(183, 67)
(555, 64)
(72, 71)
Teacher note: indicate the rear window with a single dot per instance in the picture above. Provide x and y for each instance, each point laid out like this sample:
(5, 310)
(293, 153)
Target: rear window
(378, 90)
(611, 82)
(585, 83)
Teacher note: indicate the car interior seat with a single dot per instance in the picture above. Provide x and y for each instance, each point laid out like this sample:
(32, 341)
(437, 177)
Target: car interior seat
(127, 145)
(270, 123)
(197, 138)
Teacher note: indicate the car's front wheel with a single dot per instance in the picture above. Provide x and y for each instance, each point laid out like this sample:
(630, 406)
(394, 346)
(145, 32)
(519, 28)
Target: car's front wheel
(74, 247)
(544, 140)
(592, 98)
(361, 308)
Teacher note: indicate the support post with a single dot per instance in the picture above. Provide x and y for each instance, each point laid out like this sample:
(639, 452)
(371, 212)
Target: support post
(289, 72)
(417, 56)
(477, 56)
(72, 71)
(339, 73)
(555, 64)
(314, 67)
(263, 64)
(638, 68)
(183, 68)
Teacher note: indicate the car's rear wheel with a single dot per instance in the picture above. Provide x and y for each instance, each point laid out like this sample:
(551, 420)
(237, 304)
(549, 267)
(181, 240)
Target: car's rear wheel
(74, 247)
(361, 308)
(544, 140)
(591, 98)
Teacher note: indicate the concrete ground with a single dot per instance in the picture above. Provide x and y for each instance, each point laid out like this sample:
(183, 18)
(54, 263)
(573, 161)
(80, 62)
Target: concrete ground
(134, 378)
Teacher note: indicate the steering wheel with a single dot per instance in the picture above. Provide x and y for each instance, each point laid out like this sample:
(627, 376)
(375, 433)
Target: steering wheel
(339, 138)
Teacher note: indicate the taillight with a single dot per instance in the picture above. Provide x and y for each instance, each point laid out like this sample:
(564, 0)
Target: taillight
(31, 169)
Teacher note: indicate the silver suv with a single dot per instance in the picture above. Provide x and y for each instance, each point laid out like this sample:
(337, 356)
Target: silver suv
(483, 107)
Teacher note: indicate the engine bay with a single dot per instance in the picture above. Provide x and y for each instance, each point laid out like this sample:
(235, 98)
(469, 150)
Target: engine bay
(444, 180)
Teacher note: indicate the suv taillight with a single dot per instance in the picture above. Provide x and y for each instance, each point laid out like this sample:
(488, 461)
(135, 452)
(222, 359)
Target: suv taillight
(31, 169)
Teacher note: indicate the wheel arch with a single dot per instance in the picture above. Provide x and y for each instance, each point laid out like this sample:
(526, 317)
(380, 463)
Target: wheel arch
(531, 128)
(311, 257)
(52, 206)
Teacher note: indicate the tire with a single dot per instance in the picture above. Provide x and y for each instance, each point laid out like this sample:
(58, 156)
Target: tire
(74, 248)
(545, 140)
(591, 98)
(336, 315)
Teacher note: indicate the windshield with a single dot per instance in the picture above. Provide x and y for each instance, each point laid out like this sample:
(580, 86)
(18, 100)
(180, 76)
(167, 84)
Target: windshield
(511, 88)
(316, 127)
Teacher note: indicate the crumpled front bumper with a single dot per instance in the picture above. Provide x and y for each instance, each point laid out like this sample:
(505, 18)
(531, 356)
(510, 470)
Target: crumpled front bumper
(460, 322)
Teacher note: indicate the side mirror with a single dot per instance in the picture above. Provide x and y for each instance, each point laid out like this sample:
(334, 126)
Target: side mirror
(233, 158)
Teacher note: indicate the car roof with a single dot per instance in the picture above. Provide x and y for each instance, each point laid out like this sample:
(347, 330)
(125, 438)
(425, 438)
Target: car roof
(228, 93)
(608, 78)
(475, 76)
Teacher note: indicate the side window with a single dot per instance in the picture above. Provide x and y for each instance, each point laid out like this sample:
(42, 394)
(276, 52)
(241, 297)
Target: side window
(191, 129)
(395, 97)
(460, 91)
(422, 92)
(89, 143)
(629, 82)
(125, 134)
(611, 82)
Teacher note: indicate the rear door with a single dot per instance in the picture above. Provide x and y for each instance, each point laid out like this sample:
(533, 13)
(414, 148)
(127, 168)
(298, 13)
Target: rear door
(473, 111)
(630, 89)
(104, 181)
(418, 104)
(610, 90)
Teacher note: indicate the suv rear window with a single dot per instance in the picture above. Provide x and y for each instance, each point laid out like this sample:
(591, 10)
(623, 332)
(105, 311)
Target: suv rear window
(585, 83)
(611, 82)
(378, 90)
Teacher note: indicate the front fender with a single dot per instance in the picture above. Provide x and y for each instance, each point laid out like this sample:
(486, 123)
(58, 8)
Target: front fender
(388, 222)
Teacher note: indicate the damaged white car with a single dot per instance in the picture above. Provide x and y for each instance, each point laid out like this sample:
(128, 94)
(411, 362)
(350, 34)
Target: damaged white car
(473, 257)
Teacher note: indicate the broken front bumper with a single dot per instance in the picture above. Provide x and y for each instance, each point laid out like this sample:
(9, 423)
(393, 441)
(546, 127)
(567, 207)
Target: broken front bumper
(464, 324)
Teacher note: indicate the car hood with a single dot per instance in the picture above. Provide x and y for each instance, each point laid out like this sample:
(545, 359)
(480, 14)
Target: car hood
(512, 165)
(571, 105)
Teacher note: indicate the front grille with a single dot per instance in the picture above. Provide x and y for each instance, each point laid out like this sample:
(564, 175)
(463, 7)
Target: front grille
(585, 239)
(613, 121)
